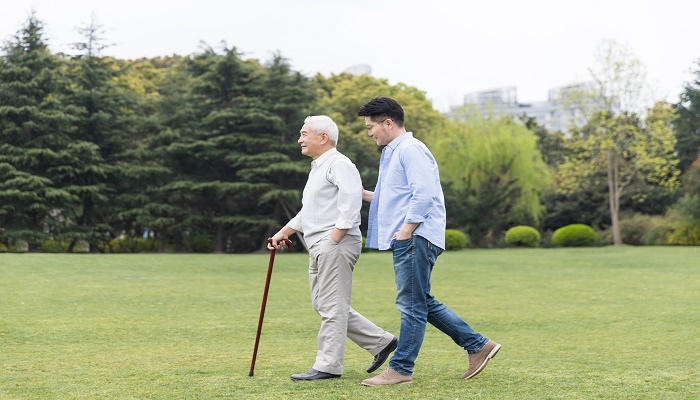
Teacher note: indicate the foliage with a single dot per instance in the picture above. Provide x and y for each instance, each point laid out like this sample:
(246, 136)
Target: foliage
(19, 246)
(686, 234)
(631, 152)
(128, 244)
(637, 229)
(658, 236)
(552, 145)
(574, 235)
(523, 236)
(615, 138)
(202, 243)
(455, 240)
(54, 246)
(688, 207)
(492, 173)
(35, 143)
(687, 122)
(93, 148)
(634, 230)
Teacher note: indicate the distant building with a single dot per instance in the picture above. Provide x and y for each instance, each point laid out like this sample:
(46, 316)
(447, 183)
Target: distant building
(557, 113)
(360, 69)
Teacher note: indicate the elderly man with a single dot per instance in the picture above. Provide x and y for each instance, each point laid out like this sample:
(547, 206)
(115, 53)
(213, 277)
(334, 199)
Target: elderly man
(330, 221)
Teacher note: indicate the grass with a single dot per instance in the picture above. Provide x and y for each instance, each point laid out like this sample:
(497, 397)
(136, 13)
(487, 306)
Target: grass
(594, 323)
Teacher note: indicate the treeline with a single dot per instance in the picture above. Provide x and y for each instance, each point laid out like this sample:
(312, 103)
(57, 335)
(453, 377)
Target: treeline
(199, 153)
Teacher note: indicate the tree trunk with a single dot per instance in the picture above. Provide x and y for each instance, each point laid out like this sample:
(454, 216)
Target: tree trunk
(614, 195)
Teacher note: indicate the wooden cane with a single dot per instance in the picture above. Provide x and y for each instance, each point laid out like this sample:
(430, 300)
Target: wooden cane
(264, 302)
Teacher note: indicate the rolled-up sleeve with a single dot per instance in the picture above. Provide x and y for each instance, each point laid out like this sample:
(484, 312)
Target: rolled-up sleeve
(295, 223)
(420, 174)
(346, 178)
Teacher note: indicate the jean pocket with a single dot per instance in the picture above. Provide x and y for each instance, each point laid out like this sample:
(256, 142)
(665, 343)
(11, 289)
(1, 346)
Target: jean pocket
(401, 243)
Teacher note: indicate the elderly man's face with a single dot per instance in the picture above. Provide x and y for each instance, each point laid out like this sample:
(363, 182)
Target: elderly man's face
(312, 145)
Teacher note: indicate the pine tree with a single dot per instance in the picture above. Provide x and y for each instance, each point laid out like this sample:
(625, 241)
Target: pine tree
(35, 136)
(98, 140)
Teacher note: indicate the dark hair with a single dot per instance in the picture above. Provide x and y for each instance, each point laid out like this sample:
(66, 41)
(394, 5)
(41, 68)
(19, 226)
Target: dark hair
(382, 107)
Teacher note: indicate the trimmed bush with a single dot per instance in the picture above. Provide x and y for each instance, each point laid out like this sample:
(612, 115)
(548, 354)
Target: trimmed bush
(455, 240)
(54, 246)
(19, 246)
(523, 236)
(81, 246)
(574, 235)
(128, 244)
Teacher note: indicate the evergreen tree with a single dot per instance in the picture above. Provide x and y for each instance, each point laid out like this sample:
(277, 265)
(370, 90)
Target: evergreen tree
(35, 136)
(290, 97)
(687, 124)
(144, 202)
(236, 164)
(99, 139)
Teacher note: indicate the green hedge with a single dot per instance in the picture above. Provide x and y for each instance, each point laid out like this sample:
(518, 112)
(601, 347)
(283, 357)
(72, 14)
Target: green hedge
(574, 235)
(523, 236)
(455, 240)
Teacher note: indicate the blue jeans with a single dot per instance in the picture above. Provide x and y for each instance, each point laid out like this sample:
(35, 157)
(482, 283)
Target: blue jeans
(414, 259)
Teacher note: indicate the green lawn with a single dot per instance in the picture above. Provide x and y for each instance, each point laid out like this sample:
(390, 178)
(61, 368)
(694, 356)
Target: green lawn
(595, 323)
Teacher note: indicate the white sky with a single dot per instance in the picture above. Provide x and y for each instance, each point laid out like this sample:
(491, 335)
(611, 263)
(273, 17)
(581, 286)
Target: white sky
(446, 48)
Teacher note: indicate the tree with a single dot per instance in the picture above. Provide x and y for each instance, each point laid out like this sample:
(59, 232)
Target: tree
(687, 124)
(99, 139)
(615, 138)
(492, 172)
(35, 136)
(290, 97)
(227, 138)
(552, 145)
(229, 127)
(628, 149)
(143, 202)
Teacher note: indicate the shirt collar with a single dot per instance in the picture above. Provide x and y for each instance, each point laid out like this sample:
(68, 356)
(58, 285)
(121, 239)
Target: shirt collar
(394, 143)
(323, 157)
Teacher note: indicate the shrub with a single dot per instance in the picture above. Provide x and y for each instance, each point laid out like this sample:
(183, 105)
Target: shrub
(455, 240)
(658, 236)
(605, 237)
(203, 243)
(523, 236)
(633, 230)
(3, 248)
(574, 235)
(19, 246)
(54, 246)
(685, 235)
(128, 244)
(81, 246)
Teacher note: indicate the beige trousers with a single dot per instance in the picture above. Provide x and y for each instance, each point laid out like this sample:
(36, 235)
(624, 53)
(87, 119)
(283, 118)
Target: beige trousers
(330, 278)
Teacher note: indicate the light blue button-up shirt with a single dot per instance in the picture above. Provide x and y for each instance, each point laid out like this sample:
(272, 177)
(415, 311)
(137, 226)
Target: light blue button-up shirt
(408, 190)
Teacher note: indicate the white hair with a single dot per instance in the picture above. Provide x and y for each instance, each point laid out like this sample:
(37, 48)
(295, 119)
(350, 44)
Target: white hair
(323, 123)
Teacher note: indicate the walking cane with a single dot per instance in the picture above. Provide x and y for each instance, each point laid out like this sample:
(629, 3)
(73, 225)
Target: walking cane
(264, 301)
